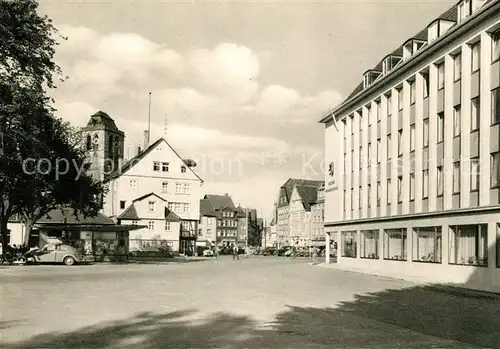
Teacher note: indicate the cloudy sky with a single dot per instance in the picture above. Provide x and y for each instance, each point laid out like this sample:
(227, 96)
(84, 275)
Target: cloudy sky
(242, 84)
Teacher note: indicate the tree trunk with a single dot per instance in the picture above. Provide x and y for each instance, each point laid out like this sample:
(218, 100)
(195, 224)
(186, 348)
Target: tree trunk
(28, 224)
(4, 231)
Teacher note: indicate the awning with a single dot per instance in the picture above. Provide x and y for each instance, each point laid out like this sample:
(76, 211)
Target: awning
(94, 228)
(318, 243)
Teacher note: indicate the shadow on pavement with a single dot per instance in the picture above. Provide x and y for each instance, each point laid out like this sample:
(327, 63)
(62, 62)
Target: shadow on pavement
(410, 318)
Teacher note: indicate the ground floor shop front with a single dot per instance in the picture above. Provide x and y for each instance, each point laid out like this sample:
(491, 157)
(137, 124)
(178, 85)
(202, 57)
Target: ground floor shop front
(450, 247)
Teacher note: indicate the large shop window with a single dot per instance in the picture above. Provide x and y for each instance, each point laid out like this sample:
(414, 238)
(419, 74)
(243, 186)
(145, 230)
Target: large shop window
(395, 244)
(349, 244)
(469, 245)
(427, 244)
(369, 244)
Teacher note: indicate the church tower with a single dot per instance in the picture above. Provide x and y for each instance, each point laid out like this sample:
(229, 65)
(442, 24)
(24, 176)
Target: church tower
(104, 144)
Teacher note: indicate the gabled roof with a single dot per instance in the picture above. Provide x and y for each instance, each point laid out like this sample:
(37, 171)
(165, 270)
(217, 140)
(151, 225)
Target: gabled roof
(67, 216)
(130, 213)
(308, 195)
(206, 209)
(220, 202)
(148, 195)
(287, 188)
(171, 216)
(136, 159)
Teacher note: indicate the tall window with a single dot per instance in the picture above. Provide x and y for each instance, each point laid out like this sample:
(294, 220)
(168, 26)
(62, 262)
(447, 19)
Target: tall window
(156, 166)
(425, 77)
(412, 186)
(400, 189)
(476, 57)
(389, 192)
(475, 114)
(164, 187)
(474, 174)
(360, 158)
(412, 92)
(369, 244)
(440, 127)
(378, 193)
(183, 169)
(167, 226)
(151, 225)
(352, 199)
(360, 118)
(400, 142)
(378, 150)
(164, 166)
(495, 106)
(389, 105)
(495, 170)
(369, 111)
(352, 160)
(440, 181)
(456, 121)
(133, 185)
(400, 99)
(456, 177)
(426, 133)
(178, 187)
(369, 189)
(395, 247)
(389, 147)
(495, 46)
(345, 200)
(379, 107)
(469, 245)
(412, 137)
(457, 67)
(360, 197)
(425, 184)
(369, 154)
(440, 69)
(427, 244)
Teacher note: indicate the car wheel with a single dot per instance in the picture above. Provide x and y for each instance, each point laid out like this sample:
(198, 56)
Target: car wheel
(69, 260)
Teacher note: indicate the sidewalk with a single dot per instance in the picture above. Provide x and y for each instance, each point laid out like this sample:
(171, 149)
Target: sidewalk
(455, 288)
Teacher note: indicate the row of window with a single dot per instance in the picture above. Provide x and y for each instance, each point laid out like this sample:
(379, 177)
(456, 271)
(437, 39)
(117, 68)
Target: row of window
(164, 167)
(227, 223)
(474, 175)
(475, 116)
(180, 188)
(468, 244)
(226, 233)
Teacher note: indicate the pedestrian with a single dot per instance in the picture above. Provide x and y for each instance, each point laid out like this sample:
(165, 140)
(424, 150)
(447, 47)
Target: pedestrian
(247, 251)
(235, 252)
(315, 254)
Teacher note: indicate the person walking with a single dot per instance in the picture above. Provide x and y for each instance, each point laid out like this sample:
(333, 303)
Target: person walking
(235, 252)
(315, 255)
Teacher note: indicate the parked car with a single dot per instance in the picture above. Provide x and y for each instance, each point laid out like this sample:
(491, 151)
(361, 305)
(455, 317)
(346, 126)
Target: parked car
(208, 253)
(58, 253)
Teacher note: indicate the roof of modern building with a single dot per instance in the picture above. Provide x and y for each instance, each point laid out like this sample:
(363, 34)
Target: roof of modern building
(206, 209)
(219, 202)
(450, 15)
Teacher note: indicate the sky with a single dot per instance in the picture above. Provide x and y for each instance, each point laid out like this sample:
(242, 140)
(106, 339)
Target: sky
(240, 86)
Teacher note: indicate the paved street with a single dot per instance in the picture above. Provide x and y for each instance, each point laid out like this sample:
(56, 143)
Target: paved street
(260, 302)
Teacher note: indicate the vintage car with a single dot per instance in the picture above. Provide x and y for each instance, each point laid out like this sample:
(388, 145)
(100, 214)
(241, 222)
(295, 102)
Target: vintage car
(58, 253)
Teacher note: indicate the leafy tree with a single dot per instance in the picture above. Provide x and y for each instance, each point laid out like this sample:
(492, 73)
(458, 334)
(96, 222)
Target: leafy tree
(28, 127)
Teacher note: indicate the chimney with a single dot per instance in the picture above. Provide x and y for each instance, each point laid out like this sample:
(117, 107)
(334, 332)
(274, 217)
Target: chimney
(138, 150)
(146, 139)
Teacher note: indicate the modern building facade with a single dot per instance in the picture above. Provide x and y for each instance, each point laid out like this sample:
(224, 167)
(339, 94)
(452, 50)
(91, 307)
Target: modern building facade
(412, 184)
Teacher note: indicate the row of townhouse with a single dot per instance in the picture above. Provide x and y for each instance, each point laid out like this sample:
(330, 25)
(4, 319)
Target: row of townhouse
(224, 224)
(413, 187)
(298, 216)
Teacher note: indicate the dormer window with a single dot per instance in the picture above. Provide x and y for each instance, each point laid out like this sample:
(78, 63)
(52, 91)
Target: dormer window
(433, 31)
(477, 4)
(412, 47)
(390, 62)
(464, 9)
(369, 77)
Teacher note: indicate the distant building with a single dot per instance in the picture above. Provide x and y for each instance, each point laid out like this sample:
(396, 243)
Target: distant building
(227, 219)
(413, 184)
(317, 215)
(283, 208)
(207, 230)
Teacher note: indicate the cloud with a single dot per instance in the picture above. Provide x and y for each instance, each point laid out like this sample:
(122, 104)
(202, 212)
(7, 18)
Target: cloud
(75, 112)
(276, 100)
(79, 39)
(230, 69)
